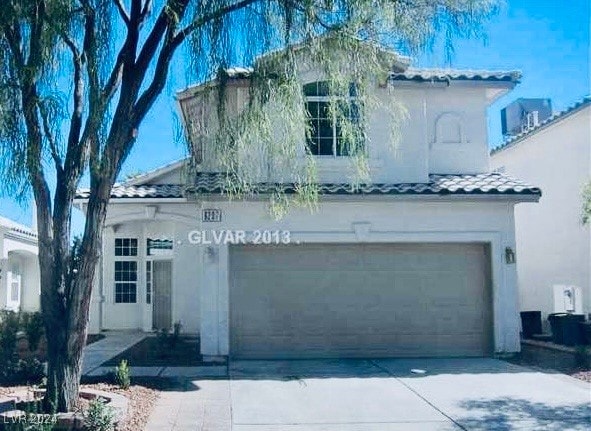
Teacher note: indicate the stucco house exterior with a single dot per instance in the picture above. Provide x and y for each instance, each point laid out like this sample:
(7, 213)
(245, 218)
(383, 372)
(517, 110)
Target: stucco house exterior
(416, 263)
(553, 245)
(19, 267)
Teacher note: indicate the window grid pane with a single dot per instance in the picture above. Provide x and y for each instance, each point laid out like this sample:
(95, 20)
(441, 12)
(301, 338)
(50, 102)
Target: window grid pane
(325, 135)
(125, 281)
(125, 246)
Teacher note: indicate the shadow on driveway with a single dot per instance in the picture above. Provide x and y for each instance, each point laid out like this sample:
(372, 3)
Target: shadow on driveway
(508, 414)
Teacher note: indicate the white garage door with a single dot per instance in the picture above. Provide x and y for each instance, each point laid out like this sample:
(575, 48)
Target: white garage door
(352, 300)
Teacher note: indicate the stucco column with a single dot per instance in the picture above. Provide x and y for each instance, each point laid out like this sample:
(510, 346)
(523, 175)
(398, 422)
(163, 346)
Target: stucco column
(510, 305)
(214, 302)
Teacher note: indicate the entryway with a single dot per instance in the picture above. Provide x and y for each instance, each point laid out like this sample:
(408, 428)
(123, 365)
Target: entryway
(162, 287)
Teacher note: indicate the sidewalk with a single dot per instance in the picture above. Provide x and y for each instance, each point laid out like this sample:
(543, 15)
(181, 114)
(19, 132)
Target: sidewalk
(114, 343)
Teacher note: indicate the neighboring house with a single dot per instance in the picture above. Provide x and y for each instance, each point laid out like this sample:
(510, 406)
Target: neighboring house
(553, 246)
(418, 263)
(19, 267)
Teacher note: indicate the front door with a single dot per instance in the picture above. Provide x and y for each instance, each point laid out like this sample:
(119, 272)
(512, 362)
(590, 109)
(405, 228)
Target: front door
(162, 311)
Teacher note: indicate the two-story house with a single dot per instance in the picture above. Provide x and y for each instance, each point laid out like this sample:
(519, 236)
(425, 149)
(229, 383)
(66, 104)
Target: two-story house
(418, 262)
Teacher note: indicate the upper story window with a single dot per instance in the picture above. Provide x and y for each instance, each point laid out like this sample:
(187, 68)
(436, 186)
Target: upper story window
(326, 131)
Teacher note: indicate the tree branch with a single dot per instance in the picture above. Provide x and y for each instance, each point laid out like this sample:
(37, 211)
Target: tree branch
(50, 139)
(182, 35)
(146, 10)
(122, 12)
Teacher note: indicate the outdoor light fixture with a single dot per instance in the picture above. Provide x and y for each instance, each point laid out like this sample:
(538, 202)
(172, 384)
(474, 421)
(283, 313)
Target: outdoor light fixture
(509, 255)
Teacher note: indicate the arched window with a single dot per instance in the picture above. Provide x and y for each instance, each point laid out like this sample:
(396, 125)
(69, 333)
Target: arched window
(325, 137)
(448, 129)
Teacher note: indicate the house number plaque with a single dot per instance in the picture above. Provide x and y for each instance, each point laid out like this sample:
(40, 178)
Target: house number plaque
(211, 215)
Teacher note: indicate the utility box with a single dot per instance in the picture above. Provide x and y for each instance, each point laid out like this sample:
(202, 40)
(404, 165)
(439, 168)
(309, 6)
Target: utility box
(568, 299)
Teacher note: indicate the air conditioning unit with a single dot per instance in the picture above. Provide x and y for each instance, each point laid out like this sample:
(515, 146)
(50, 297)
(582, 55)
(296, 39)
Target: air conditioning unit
(524, 114)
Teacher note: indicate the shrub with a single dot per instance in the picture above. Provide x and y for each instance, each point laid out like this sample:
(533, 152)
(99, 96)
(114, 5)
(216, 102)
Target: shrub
(9, 327)
(582, 357)
(31, 371)
(176, 334)
(33, 327)
(99, 416)
(122, 375)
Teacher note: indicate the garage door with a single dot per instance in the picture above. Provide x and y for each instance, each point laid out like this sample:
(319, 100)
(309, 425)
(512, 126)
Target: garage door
(352, 300)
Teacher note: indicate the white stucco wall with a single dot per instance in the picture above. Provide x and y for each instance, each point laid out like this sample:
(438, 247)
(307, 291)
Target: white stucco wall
(21, 249)
(130, 221)
(375, 221)
(427, 143)
(200, 274)
(553, 247)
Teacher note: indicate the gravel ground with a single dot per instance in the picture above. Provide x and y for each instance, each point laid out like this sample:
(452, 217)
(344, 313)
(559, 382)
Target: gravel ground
(142, 396)
(141, 401)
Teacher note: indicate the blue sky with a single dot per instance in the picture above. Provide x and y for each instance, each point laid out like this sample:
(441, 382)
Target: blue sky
(547, 40)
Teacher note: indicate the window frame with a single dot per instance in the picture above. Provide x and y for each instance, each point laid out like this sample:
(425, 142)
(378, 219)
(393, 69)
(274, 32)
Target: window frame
(123, 255)
(350, 99)
(149, 281)
(15, 280)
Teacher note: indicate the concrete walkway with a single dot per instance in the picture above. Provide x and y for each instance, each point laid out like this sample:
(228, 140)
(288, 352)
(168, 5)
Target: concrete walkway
(376, 395)
(196, 405)
(114, 343)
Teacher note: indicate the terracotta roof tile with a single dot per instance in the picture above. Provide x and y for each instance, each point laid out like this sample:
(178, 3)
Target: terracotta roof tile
(216, 183)
(415, 74)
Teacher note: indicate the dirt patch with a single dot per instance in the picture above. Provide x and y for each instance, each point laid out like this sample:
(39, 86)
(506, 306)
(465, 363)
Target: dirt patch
(152, 351)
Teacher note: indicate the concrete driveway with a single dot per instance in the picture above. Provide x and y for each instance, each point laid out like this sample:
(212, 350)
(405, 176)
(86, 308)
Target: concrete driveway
(385, 395)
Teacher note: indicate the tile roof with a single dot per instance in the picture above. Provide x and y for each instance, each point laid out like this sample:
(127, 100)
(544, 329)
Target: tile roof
(439, 185)
(121, 191)
(586, 101)
(443, 75)
(15, 227)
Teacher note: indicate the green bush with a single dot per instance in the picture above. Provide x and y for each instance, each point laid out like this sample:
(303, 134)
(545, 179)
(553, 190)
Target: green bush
(33, 327)
(99, 416)
(122, 375)
(30, 371)
(176, 334)
(9, 326)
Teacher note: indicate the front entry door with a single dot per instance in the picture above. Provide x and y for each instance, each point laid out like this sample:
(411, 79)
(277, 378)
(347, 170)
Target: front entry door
(162, 311)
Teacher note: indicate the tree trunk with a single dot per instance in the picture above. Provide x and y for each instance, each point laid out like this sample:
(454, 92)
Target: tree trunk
(65, 299)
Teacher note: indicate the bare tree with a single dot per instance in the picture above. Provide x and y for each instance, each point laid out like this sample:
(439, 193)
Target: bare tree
(77, 77)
